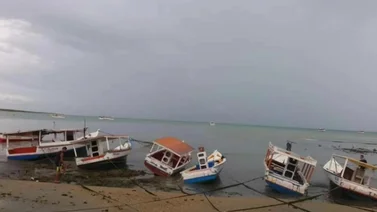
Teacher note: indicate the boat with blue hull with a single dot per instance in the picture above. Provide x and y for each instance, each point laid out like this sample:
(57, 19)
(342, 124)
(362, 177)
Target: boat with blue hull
(207, 170)
(287, 172)
(351, 178)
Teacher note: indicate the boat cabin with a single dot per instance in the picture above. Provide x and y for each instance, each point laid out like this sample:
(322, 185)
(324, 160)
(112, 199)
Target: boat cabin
(290, 165)
(98, 146)
(352, 170)
(39, 138)
(168, 155)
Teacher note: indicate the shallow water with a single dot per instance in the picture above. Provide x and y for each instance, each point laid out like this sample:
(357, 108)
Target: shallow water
(244, 146)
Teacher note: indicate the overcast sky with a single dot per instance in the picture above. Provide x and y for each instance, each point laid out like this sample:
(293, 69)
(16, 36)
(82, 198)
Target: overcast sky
(287, 63)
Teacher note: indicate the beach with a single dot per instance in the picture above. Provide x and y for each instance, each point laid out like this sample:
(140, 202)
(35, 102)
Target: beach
(24, 196)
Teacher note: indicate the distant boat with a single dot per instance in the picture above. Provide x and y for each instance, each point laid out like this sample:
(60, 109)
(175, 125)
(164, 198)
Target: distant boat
(57, 116)
(106, 118)
(322, 130)
(360, 132)
(212, 123)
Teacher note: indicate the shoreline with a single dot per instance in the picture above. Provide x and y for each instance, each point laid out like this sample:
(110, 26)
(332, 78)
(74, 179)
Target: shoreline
(26, 196)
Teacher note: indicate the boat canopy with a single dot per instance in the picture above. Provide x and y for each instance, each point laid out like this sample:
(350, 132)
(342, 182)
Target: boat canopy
(288, 154)
(175, 145)
(102, 137)
(357, 162)
(42, 131)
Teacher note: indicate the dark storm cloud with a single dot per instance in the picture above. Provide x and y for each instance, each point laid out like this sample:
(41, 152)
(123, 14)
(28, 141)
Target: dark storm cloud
(298, 63)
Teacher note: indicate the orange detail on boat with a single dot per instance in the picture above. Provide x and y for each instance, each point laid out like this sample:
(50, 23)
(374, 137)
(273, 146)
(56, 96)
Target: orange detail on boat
(23, 150)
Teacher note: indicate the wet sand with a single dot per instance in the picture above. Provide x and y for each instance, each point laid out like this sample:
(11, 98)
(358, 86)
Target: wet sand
(48, 197)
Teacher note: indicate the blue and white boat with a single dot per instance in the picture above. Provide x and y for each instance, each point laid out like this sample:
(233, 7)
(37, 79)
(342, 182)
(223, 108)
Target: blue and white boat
(207, 169)
(287, 172)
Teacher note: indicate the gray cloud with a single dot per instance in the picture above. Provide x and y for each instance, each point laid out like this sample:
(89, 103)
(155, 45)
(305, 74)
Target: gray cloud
(295, 63)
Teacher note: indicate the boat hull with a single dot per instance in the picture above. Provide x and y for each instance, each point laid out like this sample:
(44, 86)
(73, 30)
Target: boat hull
(39, 154)
(349, 189)
(283, 185)
(281, 189)
(202, 179)
(112, 159)
(156, 170)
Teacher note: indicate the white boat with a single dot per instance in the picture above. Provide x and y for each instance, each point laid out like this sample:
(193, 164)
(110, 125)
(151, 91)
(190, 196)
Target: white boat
(287, 172)
(168, 156)
(106, 118)
(212, 123)
(57, 116)
(206, 170)
(100, 153)
(39, 146)
(322, 130)
(353, 177)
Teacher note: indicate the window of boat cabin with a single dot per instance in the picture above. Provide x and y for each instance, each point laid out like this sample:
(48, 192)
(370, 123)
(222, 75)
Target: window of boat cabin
(70, 136)
(358, 174)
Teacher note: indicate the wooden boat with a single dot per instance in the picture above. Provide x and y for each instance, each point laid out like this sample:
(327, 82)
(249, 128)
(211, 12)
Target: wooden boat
(352, 177)
(106, 118)
(168, 156)
(39, 146)
(206, 170)
(57, 116)
(287, 172)
(99, 153)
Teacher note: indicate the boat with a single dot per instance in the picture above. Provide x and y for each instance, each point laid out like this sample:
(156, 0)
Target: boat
(207, 169)
(322, 130)
(361, 132)
(106, 118)
(212, 123)
(168, 156)
(100, 153)
(352, 177)
(287, 172)
(40, 147)
(57, 116)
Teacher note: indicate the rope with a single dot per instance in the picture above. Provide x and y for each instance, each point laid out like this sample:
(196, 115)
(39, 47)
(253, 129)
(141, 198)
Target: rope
(209, 201)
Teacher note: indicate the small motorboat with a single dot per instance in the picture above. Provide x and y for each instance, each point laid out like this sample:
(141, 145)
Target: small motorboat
(322, 130)
(212, 123)
(353, 177)
(57, 116)
(207, 169)
(106, 118)
(287, 172)
(168, 156)
(100, 154)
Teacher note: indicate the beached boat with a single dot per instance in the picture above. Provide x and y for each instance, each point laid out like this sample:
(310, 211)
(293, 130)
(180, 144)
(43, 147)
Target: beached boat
(352, 177)
(100, 153)
(45, 143)
(168, 156)
(57, 116)
(106, 118)
(206, 170)
(287, 172)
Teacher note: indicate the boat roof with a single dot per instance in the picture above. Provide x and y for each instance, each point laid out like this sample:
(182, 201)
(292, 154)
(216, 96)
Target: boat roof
(357, 162)
(43, 131)
(101, 137)
(175, 145)
(281, 151)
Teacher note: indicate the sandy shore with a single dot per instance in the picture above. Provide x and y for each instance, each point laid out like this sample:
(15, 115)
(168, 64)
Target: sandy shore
(25, 196)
